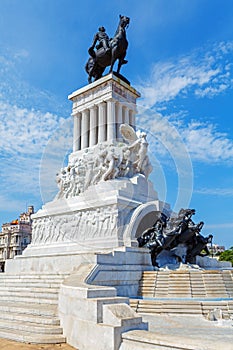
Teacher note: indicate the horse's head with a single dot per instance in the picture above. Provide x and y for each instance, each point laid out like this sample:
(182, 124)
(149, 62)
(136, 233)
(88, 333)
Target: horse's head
(124, 21)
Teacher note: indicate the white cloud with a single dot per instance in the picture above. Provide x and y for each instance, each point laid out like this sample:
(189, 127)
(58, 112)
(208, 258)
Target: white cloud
(198, 140)
(25, 131)
(24, 136)
(165, 141)
(29, 119)
(206, 144)
(208, 74)
(224, 192)
(10, 205)
(200, 74)
(14, 90)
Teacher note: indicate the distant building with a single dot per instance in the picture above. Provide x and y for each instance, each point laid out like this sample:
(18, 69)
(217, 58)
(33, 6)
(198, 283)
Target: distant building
(15, 236)
(216, 249)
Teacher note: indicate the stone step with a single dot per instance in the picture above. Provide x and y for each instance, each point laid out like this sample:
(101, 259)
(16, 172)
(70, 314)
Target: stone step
(173, 307)
(214, 303)
(181, 307)
(178, 288)
(30, 280)
(209, 283)
(29, 308)
(170, 311)
(33, 289)
(33, 276)
(31, 285)
(8, 278)
(29, 299)
(28, 337)
(214, 282)
(176, 303)
(29, 293)
(215, 294)
(147, 290)
(26, 285)
(40, 319)
(30, 327)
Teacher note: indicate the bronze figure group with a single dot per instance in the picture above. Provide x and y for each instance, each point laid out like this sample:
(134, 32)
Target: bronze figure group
(179, 236)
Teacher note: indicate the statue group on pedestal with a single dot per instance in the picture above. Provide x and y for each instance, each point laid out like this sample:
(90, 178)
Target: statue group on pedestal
(105, 162)
(107, 50)
(179, 237)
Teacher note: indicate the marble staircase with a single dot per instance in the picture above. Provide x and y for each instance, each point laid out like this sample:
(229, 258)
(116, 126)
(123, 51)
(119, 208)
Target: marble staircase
(185, 292)
(187, 284)
(182, 307)
(28, 308)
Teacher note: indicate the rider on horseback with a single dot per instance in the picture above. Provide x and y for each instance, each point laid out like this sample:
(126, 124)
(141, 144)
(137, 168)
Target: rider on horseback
(107, 51)
(103, 39)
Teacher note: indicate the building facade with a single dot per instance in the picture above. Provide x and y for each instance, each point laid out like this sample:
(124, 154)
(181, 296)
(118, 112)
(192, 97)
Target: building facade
(15, 236)
(217, 249)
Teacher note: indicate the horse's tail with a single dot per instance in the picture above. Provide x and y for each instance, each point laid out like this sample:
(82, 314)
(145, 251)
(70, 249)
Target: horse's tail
(89, 65)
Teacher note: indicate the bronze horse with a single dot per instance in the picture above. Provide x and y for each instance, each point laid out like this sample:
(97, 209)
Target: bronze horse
(102, 58)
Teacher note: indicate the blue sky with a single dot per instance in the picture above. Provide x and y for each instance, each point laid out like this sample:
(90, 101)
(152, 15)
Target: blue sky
(180, 59)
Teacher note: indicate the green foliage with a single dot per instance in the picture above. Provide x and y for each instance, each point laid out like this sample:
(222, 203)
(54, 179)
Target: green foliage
(227, 255)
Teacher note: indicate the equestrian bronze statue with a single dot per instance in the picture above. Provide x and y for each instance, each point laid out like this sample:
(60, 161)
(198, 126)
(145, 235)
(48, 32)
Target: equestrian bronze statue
(104, 51)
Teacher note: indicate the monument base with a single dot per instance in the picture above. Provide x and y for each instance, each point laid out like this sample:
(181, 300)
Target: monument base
(68, 232)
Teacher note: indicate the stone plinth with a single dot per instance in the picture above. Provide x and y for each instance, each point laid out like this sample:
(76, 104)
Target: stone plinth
(97, 219)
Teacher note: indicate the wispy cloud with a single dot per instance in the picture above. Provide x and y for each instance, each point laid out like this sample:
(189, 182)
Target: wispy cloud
(205, 73)
(205, 143)
(198, 140)
(223, 192)
(25, 131)
(11, 205)
(165, 142)
(14, 90)
(198, 75)
(29, 119)
(24, 135)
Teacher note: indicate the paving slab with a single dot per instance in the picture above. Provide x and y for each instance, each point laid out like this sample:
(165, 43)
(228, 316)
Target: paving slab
(196, 330)
(12, 345)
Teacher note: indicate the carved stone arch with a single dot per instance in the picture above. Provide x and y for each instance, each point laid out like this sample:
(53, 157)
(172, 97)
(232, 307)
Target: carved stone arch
(143, 217)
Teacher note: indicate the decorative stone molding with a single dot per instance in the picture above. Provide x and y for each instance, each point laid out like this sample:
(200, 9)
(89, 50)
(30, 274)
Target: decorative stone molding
(76, 227)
